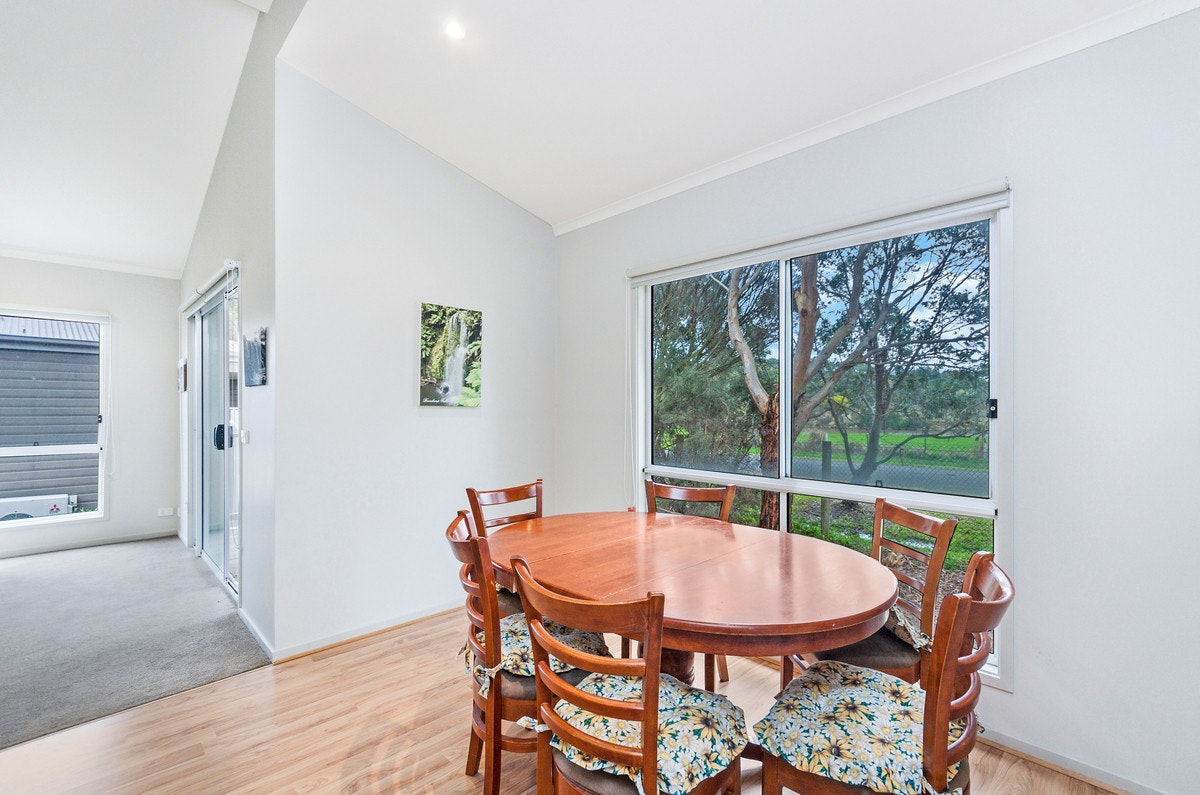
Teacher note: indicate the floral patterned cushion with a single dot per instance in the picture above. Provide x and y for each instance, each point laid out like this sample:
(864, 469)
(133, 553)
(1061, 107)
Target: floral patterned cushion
(516, 651)
(901, 624)
(852, 724)
(699, 733)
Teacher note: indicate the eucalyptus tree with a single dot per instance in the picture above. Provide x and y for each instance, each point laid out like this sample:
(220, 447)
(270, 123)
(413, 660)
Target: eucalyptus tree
(926, 358)
(866, 320)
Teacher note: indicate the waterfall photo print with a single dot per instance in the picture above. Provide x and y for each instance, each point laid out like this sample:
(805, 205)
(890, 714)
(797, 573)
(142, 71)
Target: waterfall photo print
(451, 355)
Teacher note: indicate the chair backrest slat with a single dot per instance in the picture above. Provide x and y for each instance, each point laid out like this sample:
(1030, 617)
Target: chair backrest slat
(481, 498)
(721, 495)
(923, 577)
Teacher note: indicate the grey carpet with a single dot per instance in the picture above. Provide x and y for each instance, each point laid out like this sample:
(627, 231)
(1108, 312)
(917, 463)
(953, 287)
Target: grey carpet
(86, 633)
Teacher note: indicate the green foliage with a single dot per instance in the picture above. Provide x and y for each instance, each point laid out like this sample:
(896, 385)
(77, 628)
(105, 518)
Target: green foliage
(703, 414)
(972, 535)
(851, 525)
(917, 359)
(898, 356)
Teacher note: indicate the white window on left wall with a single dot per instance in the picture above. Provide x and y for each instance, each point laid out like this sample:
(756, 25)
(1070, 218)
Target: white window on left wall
(51, 415)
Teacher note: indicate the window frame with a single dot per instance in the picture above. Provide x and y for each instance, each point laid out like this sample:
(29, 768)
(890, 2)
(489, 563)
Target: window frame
(100, 448)
(992, 202)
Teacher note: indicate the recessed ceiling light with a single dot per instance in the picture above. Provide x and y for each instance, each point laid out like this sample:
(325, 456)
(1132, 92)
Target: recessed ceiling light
(455, 30)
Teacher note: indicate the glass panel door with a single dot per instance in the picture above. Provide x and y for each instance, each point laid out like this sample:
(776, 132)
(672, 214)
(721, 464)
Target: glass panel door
(213, 433)
(233, 447)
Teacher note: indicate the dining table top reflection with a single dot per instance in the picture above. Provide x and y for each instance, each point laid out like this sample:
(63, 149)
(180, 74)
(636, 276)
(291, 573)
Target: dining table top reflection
(728, 588)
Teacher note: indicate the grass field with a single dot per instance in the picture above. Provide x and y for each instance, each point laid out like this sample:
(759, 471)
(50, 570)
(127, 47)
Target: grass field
(960, 452)
(851, 524)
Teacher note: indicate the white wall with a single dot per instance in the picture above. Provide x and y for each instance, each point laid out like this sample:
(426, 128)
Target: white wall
(369, 226)
(1102, 154)
(142, 456)
(238, 223)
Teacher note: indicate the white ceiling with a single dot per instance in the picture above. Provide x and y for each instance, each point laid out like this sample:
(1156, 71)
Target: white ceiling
(579, 110)
(112, 112)
(111, 115)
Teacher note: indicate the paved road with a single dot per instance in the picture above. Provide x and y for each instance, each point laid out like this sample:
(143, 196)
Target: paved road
(969, 483)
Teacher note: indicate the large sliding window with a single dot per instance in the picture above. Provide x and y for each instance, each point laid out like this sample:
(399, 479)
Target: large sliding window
(821, 373)
(51, 415)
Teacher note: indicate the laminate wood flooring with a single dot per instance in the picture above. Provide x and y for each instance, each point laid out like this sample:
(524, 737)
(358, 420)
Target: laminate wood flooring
(389, 713)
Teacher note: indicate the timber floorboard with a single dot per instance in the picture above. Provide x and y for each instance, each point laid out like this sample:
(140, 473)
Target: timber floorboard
(389, 713)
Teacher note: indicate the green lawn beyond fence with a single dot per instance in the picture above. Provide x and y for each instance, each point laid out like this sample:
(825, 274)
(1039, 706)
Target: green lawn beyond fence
(959, 452)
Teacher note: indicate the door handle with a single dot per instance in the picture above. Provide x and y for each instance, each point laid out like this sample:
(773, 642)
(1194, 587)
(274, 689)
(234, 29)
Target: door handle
(219, 437)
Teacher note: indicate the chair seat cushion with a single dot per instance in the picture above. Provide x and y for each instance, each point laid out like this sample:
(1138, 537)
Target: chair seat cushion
(881, 650)
(595, 782)
(907, 628)
(852, 724)
(520, 688)
(516, 653)
(700, 733)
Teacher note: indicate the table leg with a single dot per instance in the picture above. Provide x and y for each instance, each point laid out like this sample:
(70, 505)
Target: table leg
(679, 664)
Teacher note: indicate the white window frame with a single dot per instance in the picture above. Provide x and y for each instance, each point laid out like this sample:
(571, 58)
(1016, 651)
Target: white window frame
(991, 202)
(100, 448)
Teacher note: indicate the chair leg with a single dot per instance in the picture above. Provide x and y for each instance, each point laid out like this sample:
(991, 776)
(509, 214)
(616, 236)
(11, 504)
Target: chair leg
(710, 679)
(770, 776)
(735, 786)
(786, 672)
(474, 751)
(491, 753)
(723, 667)
(625, 648)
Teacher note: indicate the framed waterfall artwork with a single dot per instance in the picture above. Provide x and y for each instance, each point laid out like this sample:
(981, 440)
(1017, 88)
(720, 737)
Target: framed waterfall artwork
(451, 355)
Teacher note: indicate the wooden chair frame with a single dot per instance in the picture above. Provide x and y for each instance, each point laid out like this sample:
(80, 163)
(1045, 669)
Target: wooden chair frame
(714, 494)
(639, 618)
(488, 712)
(941, 531)
(952, 684)
(480, 498)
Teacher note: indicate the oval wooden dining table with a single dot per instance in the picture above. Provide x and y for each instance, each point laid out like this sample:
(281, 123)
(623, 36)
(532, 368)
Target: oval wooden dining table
(729, 589)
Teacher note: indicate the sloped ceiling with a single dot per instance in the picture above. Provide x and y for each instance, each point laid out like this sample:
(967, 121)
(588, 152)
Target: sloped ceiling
(111, 115)
(580, 110)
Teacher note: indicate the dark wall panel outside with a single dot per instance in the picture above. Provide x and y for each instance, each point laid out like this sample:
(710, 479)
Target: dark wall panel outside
(50, 395)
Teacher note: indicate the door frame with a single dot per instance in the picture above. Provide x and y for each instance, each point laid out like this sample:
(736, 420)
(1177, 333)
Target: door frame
(223, 285)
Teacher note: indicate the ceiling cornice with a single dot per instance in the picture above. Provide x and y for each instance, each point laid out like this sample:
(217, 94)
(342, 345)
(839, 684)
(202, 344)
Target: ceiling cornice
(258, 5)
(89, 262)
(1111, 27)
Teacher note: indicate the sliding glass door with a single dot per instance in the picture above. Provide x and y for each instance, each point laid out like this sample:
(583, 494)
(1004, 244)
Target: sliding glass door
(215, 436)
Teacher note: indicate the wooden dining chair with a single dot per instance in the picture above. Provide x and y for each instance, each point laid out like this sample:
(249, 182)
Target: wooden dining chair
(481, 498)
(478, 499)
(626, 722)
(896, 648)
(720, 495)
(929, 732)
(499, 659)
(515, 697)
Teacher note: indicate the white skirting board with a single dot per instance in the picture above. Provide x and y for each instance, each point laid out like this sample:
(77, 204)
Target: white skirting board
(277, 655)
(1068, 765)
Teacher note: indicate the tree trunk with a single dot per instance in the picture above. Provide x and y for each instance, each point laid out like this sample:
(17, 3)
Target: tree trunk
(870, 461)
(766, 403)
(768, 458)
